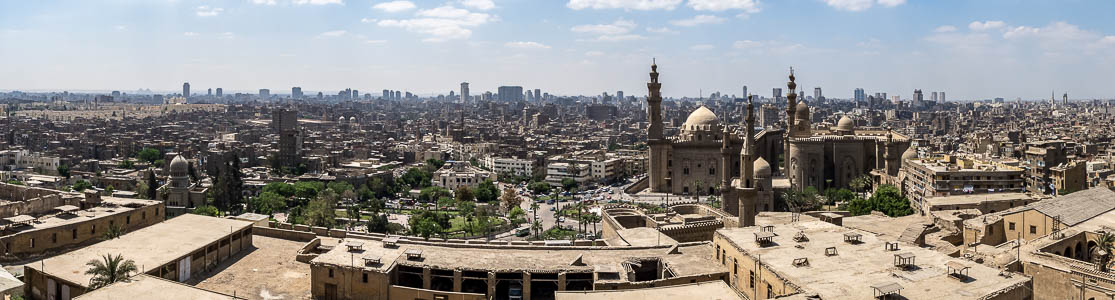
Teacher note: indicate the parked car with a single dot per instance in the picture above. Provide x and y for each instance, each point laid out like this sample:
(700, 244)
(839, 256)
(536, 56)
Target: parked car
(522, 232)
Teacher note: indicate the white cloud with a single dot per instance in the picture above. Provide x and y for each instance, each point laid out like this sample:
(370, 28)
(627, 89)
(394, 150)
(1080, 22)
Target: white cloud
(623, 4)
(526, 45)
(206, 11)
(478, 4)
(395, 6)
(698, 20)
(746, 44)
(891, 3)
(367, 20)
(264, 2)
(702, 47)
(190, 33)
(442, 23)
(594, 53)
(663, 30)
(1108, 40)
(749, 6)
(227, 36)
(375, 42)
(319, 2)
(330, 34)
(945, 28)
(620, 30)
(977, 25)
(861, 5)
(618, 27)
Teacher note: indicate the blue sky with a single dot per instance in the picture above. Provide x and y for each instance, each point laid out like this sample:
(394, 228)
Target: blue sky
(969, 49)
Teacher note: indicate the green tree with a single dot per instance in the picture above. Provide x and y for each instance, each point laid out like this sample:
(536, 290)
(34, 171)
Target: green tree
(889, 200)
(510, 199)
(206, 210)
(468, 211)
(308, 189)
(417, 178)
(539, 188)
(15, 182)
(126, 164)
(569, 184)
(192, 171)
(108, 270)
(322, 210)
(113, 231)
(81, 185)
(433, 165)
(267, 203)
(340, 187)
(64, 171)
(464, 194)
(425, 228)
(110, 189)
(516, 215)
(152, 185)
(281, 188)
(432, 194)
(487, 191)
(381, 187)
(1105, 241)
(149, 155)
(353, 213)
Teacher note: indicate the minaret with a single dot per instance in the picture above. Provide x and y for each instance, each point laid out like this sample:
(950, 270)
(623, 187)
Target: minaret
(725, 161)
(791, 108)
(747, 193)
(656, 166)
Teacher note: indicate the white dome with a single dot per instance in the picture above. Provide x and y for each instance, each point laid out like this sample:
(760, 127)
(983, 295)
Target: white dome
(845, 124)
(762, 168)
(701, 119)
(179, 166)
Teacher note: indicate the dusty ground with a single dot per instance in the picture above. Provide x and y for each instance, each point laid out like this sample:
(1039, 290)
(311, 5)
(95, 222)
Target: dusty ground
(268, 272)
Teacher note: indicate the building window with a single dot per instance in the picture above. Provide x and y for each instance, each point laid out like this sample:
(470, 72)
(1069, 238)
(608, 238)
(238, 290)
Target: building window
(128, 220)
(717, 251)
(32, 242)
(770, 291)
(365, 277)
(54, 238)
(712, 171)
(1010, 226)
(685, 171)
(93, 229)
(1033, 229)
(751, 280)
(330, 273)
(74, 233)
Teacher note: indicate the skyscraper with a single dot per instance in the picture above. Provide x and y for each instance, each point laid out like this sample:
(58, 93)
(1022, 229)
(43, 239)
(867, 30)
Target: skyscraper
(220, 92)
(355, 94)
(464, 92)
(943, 97)
(817, 94)
(860, 95)
(265, 93)
(510, 93)
(386, 95)
(530, 96)
(186, 90)
(619, 95)
(745, 92)
(933, 96)
(296, 92)
(918, 96)
(777, 94)
(538, 94)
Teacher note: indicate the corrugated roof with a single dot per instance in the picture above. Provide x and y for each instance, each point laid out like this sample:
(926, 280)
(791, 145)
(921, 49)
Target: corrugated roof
(1078, 207)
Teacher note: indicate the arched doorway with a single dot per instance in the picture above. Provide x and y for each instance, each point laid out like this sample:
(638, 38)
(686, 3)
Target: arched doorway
(1068, 251)
(1080, 250)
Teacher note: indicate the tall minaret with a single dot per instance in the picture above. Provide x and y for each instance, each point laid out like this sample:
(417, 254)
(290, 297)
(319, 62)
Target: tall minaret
(747, 192)
(725, 160)
(791, 108)
(656, 167)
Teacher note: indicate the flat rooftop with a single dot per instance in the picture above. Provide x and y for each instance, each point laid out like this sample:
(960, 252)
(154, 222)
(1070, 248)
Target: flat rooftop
(113, 206)
(143, 286)
(645, 236)
(266, 271)
(978, 198)
(710, 290)
(942, 165)
(851, 273)
(150, 247)
(691, 259)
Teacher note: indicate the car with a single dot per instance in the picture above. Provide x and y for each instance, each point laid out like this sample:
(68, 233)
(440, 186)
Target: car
(552, 208)
(550, 202)
(522, 232)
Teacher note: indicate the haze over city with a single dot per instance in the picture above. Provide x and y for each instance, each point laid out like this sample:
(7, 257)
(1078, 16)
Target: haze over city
(973, 49)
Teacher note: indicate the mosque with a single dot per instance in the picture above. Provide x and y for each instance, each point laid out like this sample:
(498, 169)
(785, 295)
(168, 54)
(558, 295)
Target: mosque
(708, 157)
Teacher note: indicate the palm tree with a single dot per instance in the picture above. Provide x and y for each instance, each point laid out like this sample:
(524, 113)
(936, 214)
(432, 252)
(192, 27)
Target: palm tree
(113, 231)
(108, 270)
(1105, 242)
(537, 227)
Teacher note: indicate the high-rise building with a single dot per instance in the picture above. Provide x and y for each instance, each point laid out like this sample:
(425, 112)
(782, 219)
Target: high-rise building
(296, 92)
(464, 92)
(220, 92)
(918, 96)
(398, 95)
(186, 90)
(745, 92)
(619, 95)
(530, 96)
(510, 93)
(933, 96)
(538, 95)
(777, 94)
(860, 95)
(355, 94)
(210, 92)
(386, 95)
(265, 93)
(817, 94)
(943, 97)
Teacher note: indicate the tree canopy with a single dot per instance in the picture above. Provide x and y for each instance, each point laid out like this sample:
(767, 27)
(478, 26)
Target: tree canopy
(887, 199)
(149, 155)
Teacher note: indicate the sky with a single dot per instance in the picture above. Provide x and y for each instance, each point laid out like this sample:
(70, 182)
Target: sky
(975, 49)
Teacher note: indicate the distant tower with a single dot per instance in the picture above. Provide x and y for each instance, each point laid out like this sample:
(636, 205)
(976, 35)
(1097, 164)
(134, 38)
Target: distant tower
(656, 141)
(791, 109)
(220, 92)
(209, 92)
(538, 94)
(296, 92)
(1065, 99)
(186, 90)
(464, 92)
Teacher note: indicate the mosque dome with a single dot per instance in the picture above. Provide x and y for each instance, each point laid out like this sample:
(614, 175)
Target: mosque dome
(352, 119)
(911, 153)
(802, 111)
(701, 119)
(762, 168)
(179, 166)
(845, 124)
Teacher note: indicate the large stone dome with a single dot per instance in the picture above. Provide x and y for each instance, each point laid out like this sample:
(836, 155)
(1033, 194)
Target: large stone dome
(701, 119)
(911, 153)
(179, 166)
(801, 111)
(762, 168)
(845, 124)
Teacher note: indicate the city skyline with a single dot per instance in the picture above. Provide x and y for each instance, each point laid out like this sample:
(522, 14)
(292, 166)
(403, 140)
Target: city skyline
(971, 50)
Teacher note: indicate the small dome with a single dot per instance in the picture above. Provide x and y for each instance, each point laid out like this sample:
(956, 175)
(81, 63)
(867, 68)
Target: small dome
(911, 153)
(352, 119)
(762, 168)
(179, 166)
(341, 119)
(701, 119)
(802, 111)
(845, 124)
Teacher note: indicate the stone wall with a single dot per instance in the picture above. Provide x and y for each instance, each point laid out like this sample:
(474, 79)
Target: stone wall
(31, 200)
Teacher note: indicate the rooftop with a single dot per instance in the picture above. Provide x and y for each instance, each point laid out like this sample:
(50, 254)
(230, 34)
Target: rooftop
(978, 198)
(868, 262)
(150, 247)
(143, 286)
(711, 290)
(111, 206)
